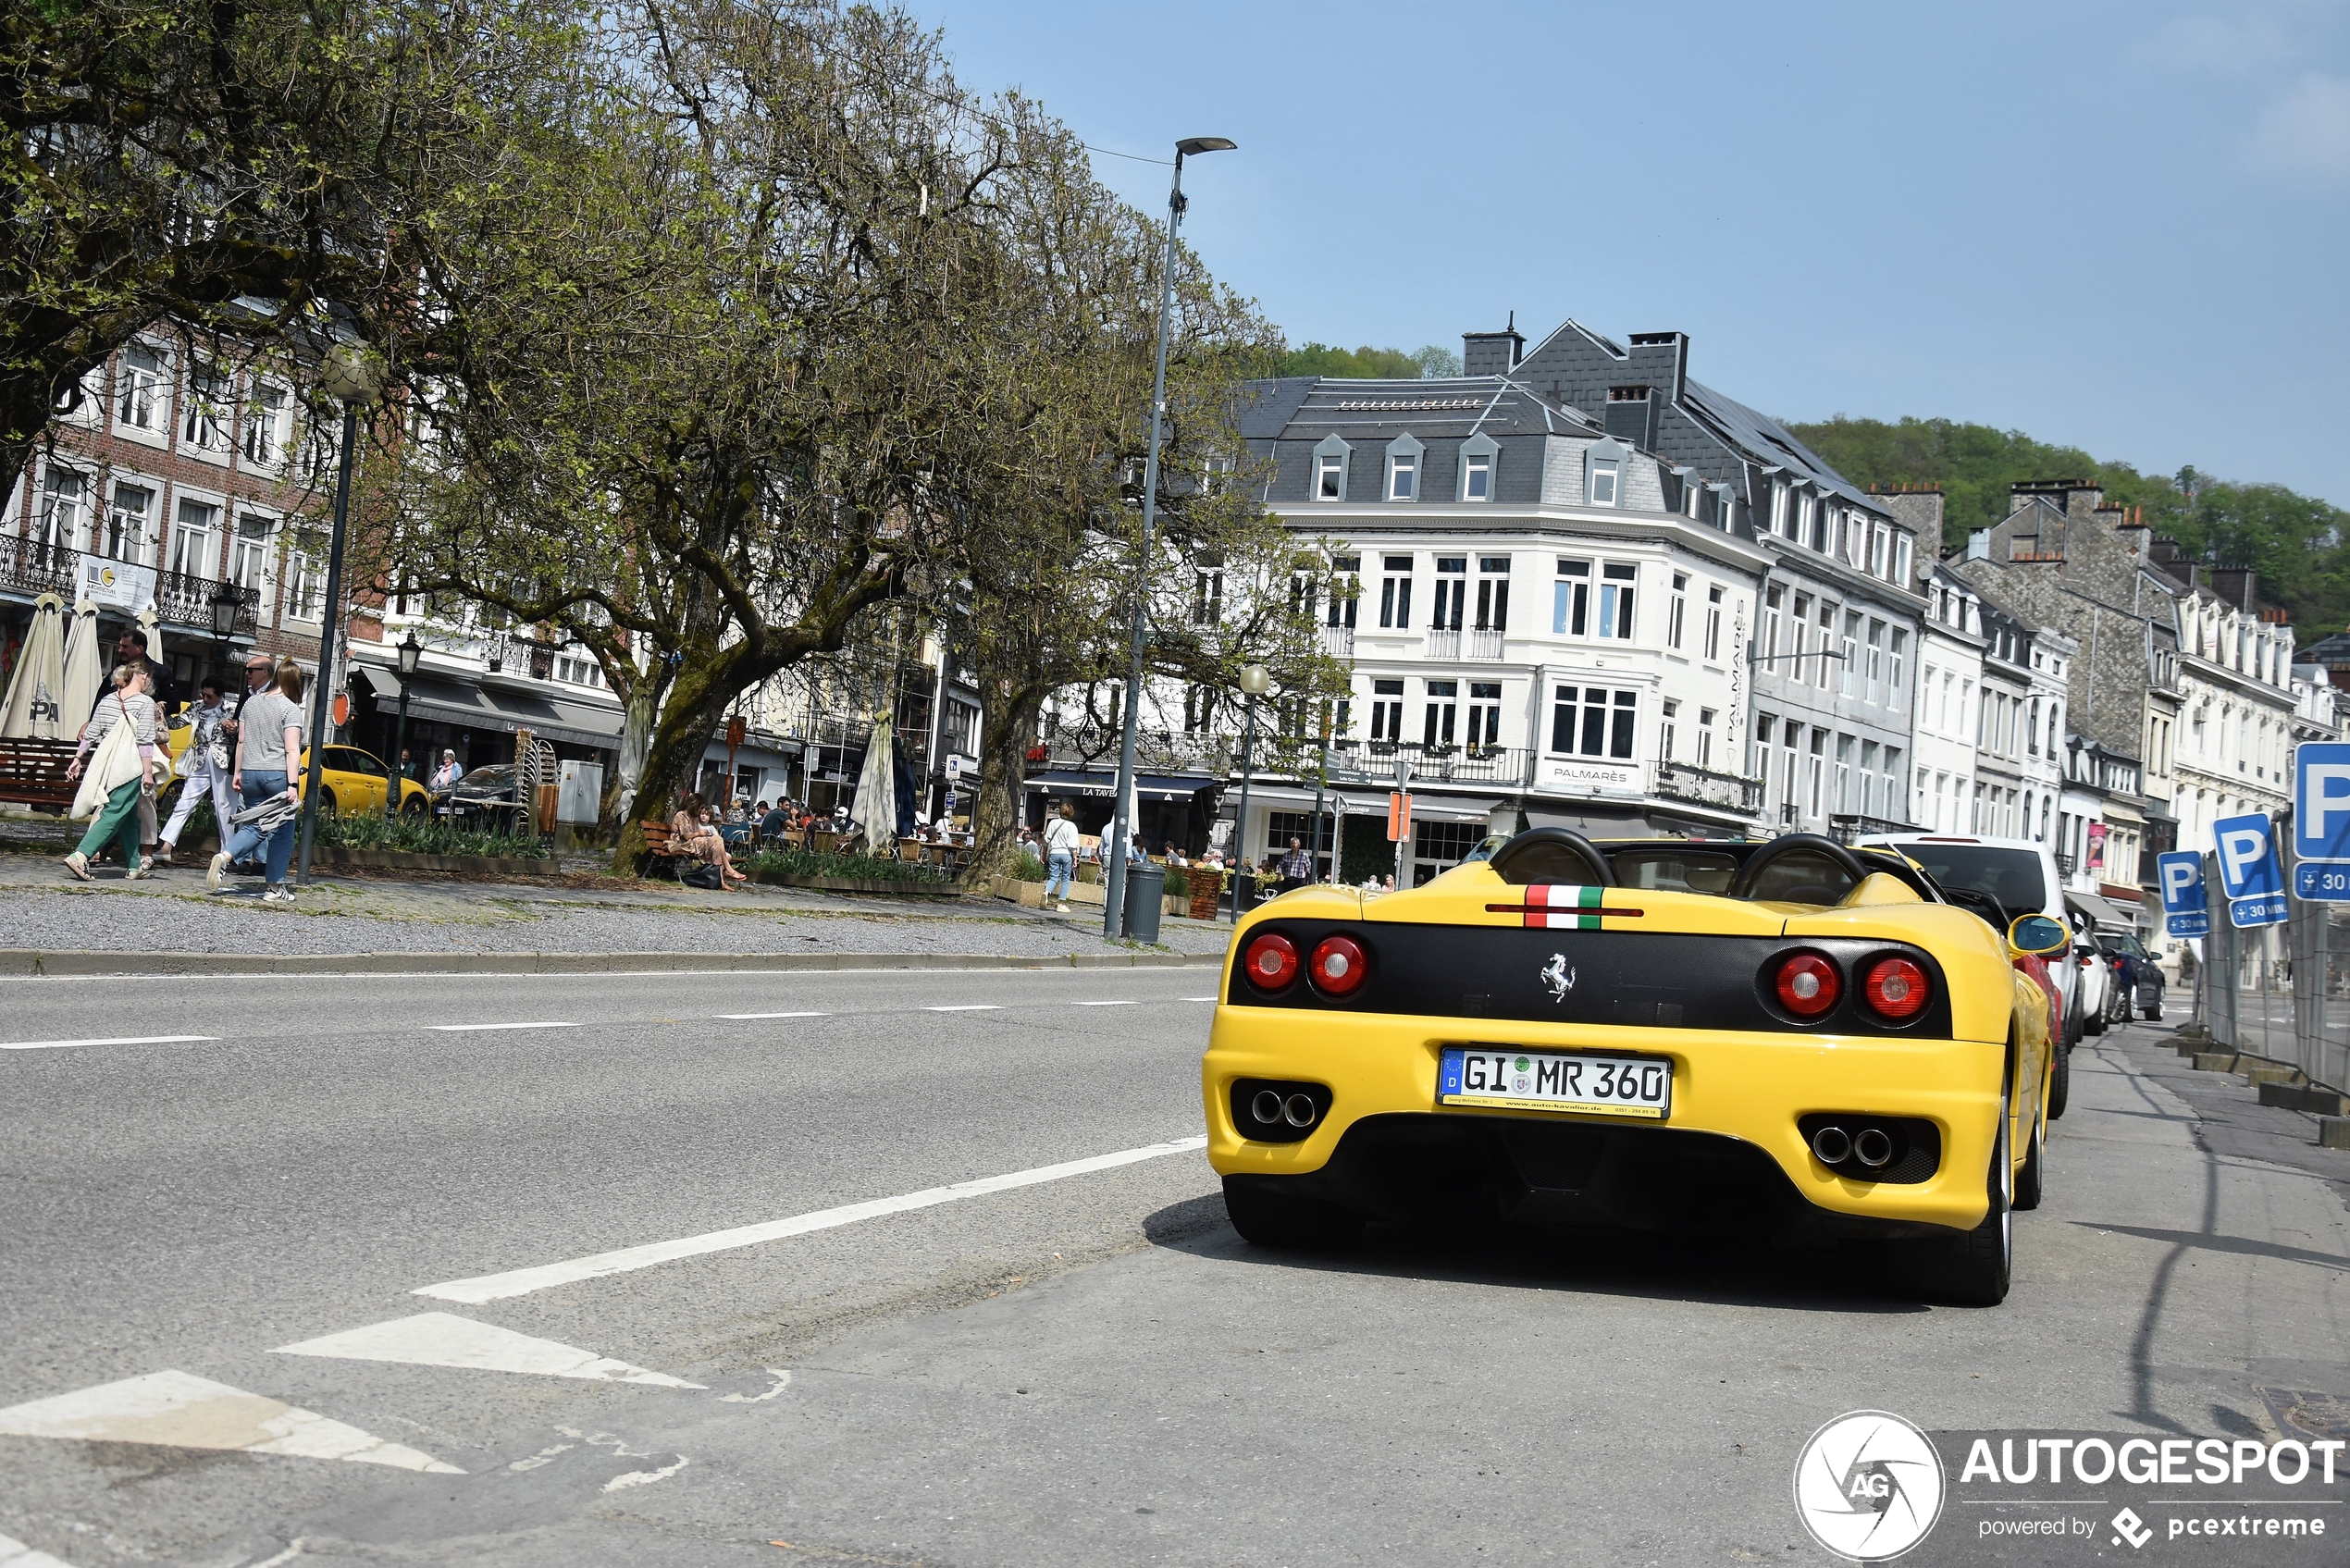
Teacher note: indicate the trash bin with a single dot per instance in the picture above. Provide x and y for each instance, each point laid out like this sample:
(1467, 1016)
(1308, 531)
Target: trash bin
(1146, 900)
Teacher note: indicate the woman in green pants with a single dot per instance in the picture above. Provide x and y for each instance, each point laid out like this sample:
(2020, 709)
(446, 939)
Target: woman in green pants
(117, 819)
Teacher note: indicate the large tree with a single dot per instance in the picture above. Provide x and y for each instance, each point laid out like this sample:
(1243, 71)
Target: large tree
(237, 169)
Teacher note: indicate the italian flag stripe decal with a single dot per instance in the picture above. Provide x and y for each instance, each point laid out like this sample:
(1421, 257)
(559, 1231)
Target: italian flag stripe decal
(1559, 905)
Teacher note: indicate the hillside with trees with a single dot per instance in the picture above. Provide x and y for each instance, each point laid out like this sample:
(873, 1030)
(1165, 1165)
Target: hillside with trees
(2295, 542)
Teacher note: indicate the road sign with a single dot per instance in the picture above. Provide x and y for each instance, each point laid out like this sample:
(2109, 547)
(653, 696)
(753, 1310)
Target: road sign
(954, 768)
(2250, 871)
(2321, 801)
(1399, 816)
(2186, 904)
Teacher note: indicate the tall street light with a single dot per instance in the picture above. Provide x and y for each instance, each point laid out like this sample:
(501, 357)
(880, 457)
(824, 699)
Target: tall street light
(353, 377)
(1256, 680)
(410, 654)
(1121, 830)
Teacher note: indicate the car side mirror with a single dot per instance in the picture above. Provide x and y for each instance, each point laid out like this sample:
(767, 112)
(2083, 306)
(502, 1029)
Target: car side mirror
(2038, 935)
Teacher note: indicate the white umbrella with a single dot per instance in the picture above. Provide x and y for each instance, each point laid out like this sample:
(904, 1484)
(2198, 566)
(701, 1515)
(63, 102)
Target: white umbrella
(84, 670)
(154, 637)
(34, 710)
(875, 807)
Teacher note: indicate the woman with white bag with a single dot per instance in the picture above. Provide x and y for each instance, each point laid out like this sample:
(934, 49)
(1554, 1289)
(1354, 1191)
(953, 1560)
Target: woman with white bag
(123, 731)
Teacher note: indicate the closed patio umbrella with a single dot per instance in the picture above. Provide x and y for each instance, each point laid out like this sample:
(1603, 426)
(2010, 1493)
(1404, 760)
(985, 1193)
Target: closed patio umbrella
(875, 806)
(85, 668)
(35, 708)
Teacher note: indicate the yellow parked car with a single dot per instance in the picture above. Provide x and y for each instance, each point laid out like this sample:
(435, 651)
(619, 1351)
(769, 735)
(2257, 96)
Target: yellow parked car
(353, 784)
(1651, 1034)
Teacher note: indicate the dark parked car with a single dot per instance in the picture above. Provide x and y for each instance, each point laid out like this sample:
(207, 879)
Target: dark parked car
(484, 793)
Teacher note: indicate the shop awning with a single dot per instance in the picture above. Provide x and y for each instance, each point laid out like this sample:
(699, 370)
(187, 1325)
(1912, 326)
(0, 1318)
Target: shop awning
(1425, 807)
(1149, 786)
(453, 702)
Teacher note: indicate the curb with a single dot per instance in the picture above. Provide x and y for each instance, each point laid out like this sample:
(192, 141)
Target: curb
(27, 961)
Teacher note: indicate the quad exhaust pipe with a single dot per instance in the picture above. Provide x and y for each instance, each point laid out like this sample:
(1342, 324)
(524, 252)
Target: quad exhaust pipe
(1271, 1109)
(1872, 1146)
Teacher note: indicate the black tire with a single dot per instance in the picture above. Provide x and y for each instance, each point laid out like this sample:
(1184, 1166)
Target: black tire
(2060, 1085)
(2029, 1181)
(326, 803)
(1974, 1269)
(415, 806)
(1268, 1217)
(2072, 1022)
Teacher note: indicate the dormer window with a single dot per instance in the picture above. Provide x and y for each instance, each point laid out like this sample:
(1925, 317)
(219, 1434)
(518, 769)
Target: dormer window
(1476, 478)
(1332, 481)
(1604, 473)
(1403, 476)
(1603, 483)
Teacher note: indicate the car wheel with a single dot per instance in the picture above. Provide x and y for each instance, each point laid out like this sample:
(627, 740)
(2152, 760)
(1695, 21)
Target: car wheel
(2059, 1084)
(415, 806)
(1974, 1269)
(1264, 1214)
(2028, 1179)
(326, 803)
(2073, 1024)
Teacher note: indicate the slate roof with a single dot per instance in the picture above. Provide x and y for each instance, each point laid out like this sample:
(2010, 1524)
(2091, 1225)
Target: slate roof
(1309, 408)
(1771, 441)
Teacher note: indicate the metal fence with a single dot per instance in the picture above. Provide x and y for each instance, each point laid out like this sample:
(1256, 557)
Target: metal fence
(2281, 992)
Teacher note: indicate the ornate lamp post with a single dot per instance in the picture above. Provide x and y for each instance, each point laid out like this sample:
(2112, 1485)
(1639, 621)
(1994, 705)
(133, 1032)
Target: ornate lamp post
(353, 377)
(409, 654)
(1256, 680)
(228, 598)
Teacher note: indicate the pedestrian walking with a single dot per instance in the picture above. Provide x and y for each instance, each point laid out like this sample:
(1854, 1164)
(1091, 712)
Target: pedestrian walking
(1061, 856)
(130, 649)
(268, 744)
(1296, 868)
(122, 771)
(204, 770)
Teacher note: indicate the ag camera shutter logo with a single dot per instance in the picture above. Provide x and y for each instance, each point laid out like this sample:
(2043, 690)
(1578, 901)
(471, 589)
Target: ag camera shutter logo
(1868, 1485)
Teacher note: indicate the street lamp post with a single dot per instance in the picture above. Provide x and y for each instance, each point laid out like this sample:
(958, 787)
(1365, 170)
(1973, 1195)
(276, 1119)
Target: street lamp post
(227, 600)
(353, 378)
(1254, 680)
(410, 655)
(1121, 830)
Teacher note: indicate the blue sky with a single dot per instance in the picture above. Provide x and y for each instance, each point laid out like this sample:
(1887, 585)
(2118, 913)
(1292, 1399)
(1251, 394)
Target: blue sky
(2121, 226)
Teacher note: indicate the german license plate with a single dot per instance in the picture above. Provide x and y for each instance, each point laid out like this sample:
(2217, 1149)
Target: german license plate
(1505, 1078)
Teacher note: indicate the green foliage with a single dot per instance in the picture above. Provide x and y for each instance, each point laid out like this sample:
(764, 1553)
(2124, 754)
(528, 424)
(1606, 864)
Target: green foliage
(426, 836)
(1179, 883)
(1028, 867)
(774, 864)
(1379, 365)
(2293, 542)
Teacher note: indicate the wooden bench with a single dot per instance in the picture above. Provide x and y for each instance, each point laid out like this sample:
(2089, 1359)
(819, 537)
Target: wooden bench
(33, 772)
(659, 860)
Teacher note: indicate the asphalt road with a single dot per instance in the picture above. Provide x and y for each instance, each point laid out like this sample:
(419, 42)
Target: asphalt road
(1072, 1367)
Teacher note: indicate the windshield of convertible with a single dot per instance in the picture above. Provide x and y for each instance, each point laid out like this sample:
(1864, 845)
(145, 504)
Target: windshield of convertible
(1799, 869)
(2012, 876)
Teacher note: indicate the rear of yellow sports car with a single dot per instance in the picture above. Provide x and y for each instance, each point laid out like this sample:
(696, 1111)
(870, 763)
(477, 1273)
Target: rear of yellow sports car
(1619, 1056)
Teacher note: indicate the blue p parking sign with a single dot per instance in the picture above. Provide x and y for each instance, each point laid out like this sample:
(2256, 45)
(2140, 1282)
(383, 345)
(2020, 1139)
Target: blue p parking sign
(2186, 904)
(2250, 869)
(2321, 821)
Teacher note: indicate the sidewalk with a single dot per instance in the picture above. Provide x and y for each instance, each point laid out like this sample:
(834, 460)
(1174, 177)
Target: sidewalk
(376, 913)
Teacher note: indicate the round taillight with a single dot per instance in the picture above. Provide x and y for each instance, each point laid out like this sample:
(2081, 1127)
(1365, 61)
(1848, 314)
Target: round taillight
(1271, 962)
(1809, 985)
(1338, 966)
(1896, 988)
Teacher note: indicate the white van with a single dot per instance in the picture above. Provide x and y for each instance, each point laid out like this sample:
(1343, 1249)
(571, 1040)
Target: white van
(2018, 873)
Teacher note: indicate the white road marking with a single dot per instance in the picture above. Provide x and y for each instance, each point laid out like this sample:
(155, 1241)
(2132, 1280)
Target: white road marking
(465, 1028)
(770, 1014)
(1199, 998)
(123, 1039)
(284, 1557)
(967, 1007)
(441, 1339)
(179, 1411)
(523, 1281)
(783, 1381)
(15, 1554)
(1102, 1004)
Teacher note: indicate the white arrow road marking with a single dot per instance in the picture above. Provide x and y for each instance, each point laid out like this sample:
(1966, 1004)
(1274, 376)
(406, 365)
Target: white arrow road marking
(464, 1028)
(441, 1339)
(125, 1040)
(179, 1411)
(15, 1554)
(523, 1281)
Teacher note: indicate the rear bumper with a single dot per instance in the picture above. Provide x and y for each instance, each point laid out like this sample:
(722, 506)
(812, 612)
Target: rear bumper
(1384, 1149)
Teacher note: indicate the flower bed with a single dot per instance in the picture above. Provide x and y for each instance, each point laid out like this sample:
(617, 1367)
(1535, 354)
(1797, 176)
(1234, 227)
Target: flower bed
(786, 867)
(423, 835)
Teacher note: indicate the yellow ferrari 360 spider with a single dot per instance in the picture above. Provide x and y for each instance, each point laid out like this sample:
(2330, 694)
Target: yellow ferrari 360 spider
(1654, 1033)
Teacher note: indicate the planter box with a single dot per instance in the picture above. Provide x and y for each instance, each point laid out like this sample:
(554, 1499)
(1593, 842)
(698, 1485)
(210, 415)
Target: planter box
(1204, 901)
(861, 884)
(405, 861)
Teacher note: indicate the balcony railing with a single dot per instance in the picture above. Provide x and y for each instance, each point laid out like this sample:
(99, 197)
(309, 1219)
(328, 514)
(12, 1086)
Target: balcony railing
(1339, 641)
(1444, 643)
(1850, 827)
(1484, 645)
(1155, 751)
(1373, 763)
(26, 565)
(1702, 786)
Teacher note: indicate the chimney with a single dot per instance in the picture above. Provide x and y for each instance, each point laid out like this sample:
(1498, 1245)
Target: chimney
(1918, 509)
(1492, 353)
(1631, 416)
(2234, 585)
(1978, 544)
(1664, 360)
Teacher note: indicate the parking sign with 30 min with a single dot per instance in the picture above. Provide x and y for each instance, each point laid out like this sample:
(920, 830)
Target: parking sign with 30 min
(2321, 821)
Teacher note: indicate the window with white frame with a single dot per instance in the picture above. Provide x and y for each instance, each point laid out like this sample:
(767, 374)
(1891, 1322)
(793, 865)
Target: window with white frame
(1766, 725)
(1199, 708)
(130, 522)
(1484, 714)
(1571, 599)
(142, 395)
(205, 427)
(1443, 702)
(1772, 597)
(583, 670)
(1493, 593)
(1588, 721)
(1850, 647)
(305, 583)
(1452, 593)
(193, 531)
(1874, 677)
(1605, 472)
(1677, 608)
(1827, 631)
(1880, 555)
(1668, 726)
(1346, 591)
(1330, 476)
(1616, 581)
(1779, 506)
(269, 418)
(1893, 667)
(1713, 651)
(1387, 712)
(1395, 593)
(1705, 737)
(1903, 561)
(65, 499)
(1207, 593)
(1404, 469)
(249, 552)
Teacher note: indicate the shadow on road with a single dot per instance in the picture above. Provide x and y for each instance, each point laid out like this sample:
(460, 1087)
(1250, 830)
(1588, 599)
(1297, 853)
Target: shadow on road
(1723, 1268)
